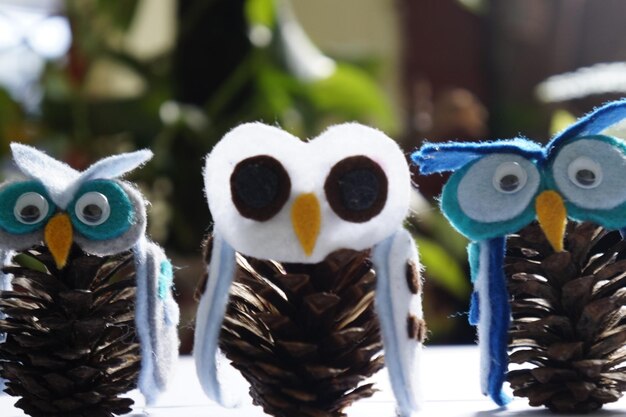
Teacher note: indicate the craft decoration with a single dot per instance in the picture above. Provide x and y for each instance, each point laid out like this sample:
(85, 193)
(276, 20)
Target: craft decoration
(294, 208)
(498, 188)
(84, 229)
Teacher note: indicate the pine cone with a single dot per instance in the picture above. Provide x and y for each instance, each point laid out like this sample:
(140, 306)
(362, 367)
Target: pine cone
(71, 346)
(569, 324)
(305, 336)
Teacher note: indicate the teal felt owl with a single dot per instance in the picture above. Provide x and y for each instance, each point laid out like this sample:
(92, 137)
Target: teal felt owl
(62, 209)
(499, 187)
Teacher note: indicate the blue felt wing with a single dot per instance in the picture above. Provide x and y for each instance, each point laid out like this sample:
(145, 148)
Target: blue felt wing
(491, 313)
(442, 157)
(596, 122)
(209, 317)
(157, 317)
(398, 303)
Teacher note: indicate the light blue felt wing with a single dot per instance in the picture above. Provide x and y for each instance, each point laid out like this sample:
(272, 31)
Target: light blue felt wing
(5, 282)
(5, 285)
(209, 317)
(399, 308)
(490, 311)
(157, 317)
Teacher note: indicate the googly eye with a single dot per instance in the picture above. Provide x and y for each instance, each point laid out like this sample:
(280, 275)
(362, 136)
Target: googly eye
(585, 172)
(92, 208)
(509, 177)
(31, 208)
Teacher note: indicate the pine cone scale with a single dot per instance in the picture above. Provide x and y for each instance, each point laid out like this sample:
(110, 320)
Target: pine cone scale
(567, 317)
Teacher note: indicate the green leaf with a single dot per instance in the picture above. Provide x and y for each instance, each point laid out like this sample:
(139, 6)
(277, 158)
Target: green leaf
(352, 93)
(443, 268)
(121, 13)
(261, 12)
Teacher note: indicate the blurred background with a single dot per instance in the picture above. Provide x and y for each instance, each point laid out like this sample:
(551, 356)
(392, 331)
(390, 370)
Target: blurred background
(83, 79)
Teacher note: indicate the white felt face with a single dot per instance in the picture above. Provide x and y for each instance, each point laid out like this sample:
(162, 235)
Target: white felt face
(498, 187)
(273, 196)
(591, 173)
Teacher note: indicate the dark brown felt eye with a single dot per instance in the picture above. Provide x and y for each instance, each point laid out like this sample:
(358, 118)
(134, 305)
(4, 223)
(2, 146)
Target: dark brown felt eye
(259, 186)
(356, 189)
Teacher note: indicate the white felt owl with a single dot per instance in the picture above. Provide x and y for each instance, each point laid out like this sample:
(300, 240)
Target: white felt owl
(94, 209)
(273, 196)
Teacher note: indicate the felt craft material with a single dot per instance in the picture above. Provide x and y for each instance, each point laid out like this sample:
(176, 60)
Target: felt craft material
(121, 211)
(552, 217)
(58, 235)
(348, 188)
(104, 216)
(498, 188)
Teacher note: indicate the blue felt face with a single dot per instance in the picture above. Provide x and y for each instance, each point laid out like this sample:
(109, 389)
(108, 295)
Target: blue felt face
(590, 173)
(101, 210)
(492, 196)
(25, 207)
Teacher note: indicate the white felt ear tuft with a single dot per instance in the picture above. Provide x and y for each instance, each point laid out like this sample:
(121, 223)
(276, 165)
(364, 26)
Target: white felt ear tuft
(117, 165)
(55, 175)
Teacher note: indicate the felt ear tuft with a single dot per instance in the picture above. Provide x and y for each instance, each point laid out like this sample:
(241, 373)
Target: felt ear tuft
(116, 166)
(442, 157)
(607, 119)
(35, 164)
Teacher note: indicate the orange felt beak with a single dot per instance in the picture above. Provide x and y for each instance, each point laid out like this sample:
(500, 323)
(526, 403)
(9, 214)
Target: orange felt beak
(306, 219)
(58, 236)
(552, 217)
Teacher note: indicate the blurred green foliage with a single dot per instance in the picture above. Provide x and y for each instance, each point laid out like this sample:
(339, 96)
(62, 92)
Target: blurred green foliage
(232, 61)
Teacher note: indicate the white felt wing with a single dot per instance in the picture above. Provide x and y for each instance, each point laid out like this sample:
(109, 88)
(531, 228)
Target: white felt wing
(209, 317)
(157, 317)
(5, 281)
(5, 285)
(399, 308)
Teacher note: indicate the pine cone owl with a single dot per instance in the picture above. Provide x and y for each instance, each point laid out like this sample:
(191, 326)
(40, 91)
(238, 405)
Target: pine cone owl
(69, 322)
(497, 189)
(285, 204)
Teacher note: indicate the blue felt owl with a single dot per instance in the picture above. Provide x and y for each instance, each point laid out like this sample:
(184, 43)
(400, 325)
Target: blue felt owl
(497, 188)
(103, 215)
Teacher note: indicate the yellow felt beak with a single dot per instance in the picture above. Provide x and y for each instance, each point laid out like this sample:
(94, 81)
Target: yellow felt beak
(552, 217)
(306, 218)
(58, 236)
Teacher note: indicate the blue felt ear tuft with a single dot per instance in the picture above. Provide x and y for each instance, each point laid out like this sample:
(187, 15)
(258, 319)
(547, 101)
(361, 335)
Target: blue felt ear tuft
(442, 157)
(595, 122)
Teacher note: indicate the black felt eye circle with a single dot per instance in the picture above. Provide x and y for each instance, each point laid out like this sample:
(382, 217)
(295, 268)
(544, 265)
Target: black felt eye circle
(260, 187)
(356, 189)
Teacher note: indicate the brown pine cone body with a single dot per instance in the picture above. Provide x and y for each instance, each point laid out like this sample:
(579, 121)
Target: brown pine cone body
(569, 322)
(71, 347)
(305, 336)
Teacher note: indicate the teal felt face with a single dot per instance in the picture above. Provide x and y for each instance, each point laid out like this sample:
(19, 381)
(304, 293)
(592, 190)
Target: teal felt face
(590, 174)
(492, 196)
(101, 210)
(25, 207)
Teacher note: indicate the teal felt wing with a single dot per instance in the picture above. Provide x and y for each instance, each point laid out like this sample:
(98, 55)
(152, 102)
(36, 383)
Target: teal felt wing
(157, 317)
(398, 304)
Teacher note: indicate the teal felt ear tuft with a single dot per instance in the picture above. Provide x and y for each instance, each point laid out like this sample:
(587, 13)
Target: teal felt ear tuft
(10, 196)
(121, 214)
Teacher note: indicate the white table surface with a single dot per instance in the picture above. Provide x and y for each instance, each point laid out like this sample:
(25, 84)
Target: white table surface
(450, 389)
